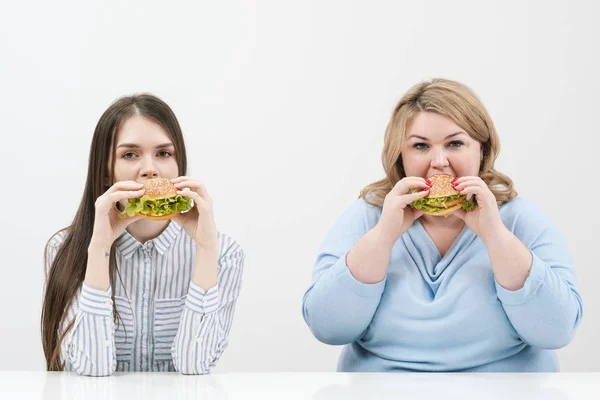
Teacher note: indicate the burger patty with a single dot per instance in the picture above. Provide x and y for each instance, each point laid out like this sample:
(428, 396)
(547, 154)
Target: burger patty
(448, 204)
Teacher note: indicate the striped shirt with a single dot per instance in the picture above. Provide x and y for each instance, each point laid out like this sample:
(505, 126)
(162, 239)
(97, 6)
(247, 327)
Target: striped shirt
(167, 323)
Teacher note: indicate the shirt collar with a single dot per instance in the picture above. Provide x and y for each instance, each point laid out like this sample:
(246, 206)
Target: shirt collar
(127, 244)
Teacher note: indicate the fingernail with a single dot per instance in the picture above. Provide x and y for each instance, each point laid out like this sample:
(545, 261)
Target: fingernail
(454, 180)
(428, 182)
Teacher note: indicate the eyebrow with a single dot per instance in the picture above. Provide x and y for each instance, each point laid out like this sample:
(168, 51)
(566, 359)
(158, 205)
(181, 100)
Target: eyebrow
(137, 146)
(447, 137)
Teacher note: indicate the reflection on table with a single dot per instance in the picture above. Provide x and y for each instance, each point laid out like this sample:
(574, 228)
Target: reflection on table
(330, 386)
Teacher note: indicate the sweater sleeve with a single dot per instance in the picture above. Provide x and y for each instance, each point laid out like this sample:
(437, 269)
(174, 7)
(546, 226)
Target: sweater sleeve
(338, 308)
(547, 310)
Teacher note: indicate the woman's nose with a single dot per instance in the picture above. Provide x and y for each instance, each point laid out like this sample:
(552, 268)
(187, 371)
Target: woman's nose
(439, 159)
(148, 169)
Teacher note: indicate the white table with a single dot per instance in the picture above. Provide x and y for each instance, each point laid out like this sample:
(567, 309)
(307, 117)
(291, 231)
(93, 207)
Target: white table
(330, 386)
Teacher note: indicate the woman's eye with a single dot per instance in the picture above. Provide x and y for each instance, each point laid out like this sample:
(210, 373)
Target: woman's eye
(164, 153)
(455, 143)
(128, 155)
(420, 146)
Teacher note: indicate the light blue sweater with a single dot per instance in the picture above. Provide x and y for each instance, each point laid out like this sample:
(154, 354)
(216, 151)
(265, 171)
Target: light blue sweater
(445, 314)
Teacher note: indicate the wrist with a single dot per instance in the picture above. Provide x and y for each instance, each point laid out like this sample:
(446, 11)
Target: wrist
(208, 246)
(98, 247)
(383, 237)
(494, 234)
(207, 250)
(206, 265)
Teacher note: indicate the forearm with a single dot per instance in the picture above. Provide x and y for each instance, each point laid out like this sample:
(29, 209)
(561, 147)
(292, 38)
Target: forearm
(205, 268)
(511, 260)
(96, 273)
(537, 288)
(368, 260)
(88, 348)
(207, 318)
(200, 340)
(337, 307)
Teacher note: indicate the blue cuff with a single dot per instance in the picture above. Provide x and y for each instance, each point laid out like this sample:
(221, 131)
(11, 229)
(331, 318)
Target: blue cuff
(536, 278)
(341, 271)
(202, 302)
(94, 301)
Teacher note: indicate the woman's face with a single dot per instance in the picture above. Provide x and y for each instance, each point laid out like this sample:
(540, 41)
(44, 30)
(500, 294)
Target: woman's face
(436, 145)
(143, 151)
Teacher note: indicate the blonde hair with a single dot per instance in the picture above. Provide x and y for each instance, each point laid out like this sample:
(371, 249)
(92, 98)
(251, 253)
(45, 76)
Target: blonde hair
(457, 102)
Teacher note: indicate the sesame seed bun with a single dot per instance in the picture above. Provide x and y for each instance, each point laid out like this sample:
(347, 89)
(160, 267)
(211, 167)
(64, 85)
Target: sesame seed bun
(441, 186)
(159, 188)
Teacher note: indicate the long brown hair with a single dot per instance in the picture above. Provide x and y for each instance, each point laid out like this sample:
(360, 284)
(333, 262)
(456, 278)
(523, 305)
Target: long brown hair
(457, 102)
(66, 273)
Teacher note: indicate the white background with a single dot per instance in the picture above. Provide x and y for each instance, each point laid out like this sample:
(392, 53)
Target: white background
(283, 107)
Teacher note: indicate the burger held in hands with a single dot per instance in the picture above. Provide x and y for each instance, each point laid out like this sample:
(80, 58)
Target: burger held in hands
(442, 199)
(159, 202)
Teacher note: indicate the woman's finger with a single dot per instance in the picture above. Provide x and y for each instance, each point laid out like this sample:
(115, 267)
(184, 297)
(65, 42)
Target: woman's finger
(124, 185)
(470, 183)
(473, 190)
(194, 185)
(467, 179)
(461, 179)
(179, 179)
(116, 196)
(405, 185)
(409, 198)
(190, 183)
(200, 202)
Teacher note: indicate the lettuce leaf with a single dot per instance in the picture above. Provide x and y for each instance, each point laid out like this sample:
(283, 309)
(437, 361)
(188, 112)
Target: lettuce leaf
(436, 204)
(425, 207)
(439, 201)
(468, 205)
(149, 206)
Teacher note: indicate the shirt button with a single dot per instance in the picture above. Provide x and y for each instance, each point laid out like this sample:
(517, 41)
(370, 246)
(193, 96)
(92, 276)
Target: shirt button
(107, 303)
(147, 260)
(145, 296)
(107, 343)
(143, 331)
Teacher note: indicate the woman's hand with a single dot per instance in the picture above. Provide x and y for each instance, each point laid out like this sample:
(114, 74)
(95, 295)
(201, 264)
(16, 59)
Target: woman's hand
(485, 219)
(107, 223)
(199, 222)
(397, 216)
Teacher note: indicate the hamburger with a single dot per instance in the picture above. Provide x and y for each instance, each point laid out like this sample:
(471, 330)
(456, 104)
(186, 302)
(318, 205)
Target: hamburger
(159, 202)
(442, 198)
